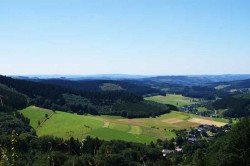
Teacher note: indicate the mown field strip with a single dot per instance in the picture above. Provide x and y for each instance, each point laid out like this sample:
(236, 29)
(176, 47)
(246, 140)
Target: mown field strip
(135, 130)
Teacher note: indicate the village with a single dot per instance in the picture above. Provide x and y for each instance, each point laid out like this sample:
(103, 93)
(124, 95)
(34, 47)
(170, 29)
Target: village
(194, 135)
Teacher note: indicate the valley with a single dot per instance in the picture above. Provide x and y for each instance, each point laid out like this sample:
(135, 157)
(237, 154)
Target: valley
(102, 121)
(141, 130)
(124, 83)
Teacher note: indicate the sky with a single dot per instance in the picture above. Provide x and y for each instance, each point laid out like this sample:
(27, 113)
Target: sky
(143, 37)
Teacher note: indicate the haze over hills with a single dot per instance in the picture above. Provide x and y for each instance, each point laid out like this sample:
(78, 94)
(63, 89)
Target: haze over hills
(83, 77)
(187, 80)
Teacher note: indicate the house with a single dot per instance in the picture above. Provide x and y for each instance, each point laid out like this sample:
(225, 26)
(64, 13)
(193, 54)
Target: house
(199, 129)
(166, 151)
(214, 116)
(206, 127)
(178, 149)
(191, 140)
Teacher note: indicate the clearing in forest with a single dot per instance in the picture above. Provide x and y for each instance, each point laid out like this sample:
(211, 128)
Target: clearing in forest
(176, 100)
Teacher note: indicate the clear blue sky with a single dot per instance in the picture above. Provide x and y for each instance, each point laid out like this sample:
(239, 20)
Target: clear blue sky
(149, 37)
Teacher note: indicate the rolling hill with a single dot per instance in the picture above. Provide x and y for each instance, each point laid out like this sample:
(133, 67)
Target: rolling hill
(79, 101)
(236, 106)
(234, 84)
(132, 86)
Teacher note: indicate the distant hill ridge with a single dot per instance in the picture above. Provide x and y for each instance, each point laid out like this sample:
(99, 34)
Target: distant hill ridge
(104, 85)
(186, 80)
(236, 84)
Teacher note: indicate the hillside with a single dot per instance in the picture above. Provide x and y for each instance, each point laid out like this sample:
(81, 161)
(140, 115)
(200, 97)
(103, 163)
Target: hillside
(198, 80)
(78, 101)
(240, 84)
(237, 106)
(132, 86)
(47, 150)
(234, 144)
(143, 130)
(233, 85)
(181, 80)
(10, 99)
(202, 92)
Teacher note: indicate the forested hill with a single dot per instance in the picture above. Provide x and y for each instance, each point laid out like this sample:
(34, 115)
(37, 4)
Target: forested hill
(237, 106)
(104, 85)
(10, 99)
(181, 80)
(234, 84)
(240, 84)
(71, 100)
(231, 149)
(197, 80)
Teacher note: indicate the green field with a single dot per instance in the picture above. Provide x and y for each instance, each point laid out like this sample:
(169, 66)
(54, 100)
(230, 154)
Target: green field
(142, 130)
(176, 100)
(202, 109)
(36, 114)
(221, 87)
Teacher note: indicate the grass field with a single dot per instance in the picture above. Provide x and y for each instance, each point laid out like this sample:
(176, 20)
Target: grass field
(36, 114)
(176, 100)
(221, 87)
(142, 130)
(202, 109)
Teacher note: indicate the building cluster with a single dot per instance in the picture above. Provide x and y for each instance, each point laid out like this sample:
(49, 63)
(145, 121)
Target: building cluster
(202, 132)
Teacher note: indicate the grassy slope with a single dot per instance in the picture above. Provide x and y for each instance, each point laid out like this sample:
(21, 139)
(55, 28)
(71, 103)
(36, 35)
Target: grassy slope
(172, 99)
(181, 100)
(34, 115)
(143, 130)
